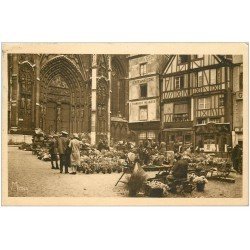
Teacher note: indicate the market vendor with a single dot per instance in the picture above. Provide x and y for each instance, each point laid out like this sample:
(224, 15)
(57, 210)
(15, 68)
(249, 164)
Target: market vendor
(180, 169)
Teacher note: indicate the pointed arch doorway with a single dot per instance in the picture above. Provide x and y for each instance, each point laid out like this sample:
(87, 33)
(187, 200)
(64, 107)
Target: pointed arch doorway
(64, 97)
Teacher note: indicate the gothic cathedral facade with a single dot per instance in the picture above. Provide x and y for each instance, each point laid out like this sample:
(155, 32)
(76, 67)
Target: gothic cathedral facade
(76, 93)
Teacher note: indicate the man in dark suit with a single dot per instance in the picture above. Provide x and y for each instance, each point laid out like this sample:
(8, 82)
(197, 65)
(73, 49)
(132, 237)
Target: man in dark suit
(63, 143)
(236, 157)
(53, 151)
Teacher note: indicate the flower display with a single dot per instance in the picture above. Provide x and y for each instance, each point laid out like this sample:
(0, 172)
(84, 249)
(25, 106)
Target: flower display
(200, 179)
(157, 184)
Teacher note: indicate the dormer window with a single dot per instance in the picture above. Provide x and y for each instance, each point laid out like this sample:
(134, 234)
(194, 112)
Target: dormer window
(183, 59)
(196, 57)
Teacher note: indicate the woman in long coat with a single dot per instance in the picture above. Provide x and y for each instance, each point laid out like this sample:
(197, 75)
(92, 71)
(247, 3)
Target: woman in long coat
(75, 146)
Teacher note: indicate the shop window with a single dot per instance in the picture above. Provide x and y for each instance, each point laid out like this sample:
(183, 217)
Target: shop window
(214, 120)
(143, 113)
(142, 135)
(210, 143)
(151, 135)
(241, 82)
(143, 90)
(179, 137)
(179, 82)
(171, 138)
(143, 69)
(201, 121)
(182, 59)
(204, 103)
(188, 138)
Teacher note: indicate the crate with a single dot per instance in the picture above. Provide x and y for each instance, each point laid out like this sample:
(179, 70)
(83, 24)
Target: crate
(153, 192)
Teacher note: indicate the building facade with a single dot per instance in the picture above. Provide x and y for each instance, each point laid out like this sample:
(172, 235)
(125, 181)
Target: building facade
(63, 92)
(186, 100)
(237, 130)
(144, 95)
(179, 99)
(196, 102)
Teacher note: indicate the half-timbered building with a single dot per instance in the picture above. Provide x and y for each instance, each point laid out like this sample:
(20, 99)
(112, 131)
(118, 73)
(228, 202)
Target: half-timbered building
(196, 101)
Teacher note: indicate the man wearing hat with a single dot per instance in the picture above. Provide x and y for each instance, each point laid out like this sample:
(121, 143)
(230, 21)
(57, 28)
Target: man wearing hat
(53, 151)
(63, 143)
(75, 146)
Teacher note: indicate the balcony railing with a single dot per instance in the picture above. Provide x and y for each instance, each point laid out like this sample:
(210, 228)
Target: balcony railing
(210, 112)
(208, 88)
(178, 93)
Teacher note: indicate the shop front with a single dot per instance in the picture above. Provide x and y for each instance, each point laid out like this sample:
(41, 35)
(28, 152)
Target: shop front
(212, 137)
(237, 136)
(145, 131)
(178, 137)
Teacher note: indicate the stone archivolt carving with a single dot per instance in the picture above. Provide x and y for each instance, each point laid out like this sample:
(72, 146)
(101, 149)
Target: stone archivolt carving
(26, 83)
(58, 82)
(62, 82)
(26, 58)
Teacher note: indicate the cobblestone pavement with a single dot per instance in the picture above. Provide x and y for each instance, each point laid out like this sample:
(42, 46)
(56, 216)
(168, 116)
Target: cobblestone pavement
(29, 176)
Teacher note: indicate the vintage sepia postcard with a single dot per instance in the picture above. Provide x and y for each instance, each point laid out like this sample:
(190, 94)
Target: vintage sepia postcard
(125, 124)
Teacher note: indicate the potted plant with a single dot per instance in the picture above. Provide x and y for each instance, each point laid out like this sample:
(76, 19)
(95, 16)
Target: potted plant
(156, 188)
(200, 182)
(135, 182)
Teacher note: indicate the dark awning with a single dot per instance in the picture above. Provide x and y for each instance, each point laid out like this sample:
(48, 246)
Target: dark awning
(212, 128)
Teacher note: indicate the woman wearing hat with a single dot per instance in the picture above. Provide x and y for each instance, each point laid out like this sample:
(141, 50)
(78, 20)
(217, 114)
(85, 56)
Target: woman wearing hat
(75, 146)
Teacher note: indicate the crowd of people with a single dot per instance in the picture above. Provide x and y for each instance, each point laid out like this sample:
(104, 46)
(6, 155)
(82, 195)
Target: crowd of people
(68, 150)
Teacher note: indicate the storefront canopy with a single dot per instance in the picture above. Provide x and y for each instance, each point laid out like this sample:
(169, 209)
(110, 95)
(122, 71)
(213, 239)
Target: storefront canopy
(218, 128)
